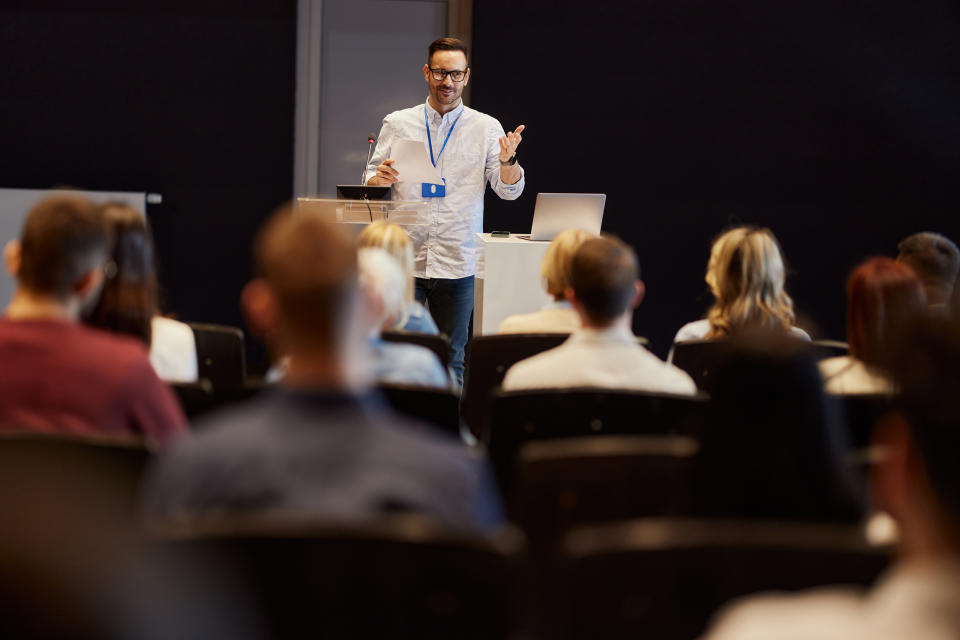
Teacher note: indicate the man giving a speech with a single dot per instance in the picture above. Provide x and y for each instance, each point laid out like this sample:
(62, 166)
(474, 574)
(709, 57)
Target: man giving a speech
(469, 149)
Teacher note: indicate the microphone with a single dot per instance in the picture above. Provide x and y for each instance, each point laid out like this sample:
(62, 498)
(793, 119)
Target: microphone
(370, 140)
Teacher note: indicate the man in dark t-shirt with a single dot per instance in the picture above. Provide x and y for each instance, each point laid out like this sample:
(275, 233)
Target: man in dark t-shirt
(57, 376)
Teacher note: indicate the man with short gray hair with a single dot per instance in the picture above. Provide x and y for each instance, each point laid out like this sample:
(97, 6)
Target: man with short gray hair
(936, 260)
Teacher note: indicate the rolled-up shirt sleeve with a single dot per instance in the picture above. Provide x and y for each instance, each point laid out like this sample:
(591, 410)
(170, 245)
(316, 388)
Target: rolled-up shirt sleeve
(501, 188)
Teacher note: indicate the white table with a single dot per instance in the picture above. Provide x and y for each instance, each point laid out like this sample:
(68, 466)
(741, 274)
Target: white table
(508, 280)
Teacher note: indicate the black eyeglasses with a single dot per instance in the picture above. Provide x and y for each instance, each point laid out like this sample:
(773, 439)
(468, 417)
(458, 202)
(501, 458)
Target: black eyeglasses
(457, 75)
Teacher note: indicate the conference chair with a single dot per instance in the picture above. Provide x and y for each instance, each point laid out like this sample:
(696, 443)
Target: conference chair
(438, 407)
(517, 417)
(823, 349)
(220, 357)
(196, 398)
(664, 578)
(292, 576)
(68, 526)
(569, 481)
(861, 412)
(439, 344)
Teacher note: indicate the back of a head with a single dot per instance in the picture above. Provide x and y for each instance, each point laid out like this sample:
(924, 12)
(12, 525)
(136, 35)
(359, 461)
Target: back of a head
(746, 274)
(603, 273)
(555, 268)
(128, 301)
(883, 295)
(380, 274)
(310, 266)
(394, 240)
(934, 258)
(63, 239)
(775, 447)
(927, 366)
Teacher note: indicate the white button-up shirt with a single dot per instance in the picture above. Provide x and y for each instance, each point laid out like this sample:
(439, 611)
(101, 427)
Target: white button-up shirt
(446, 248)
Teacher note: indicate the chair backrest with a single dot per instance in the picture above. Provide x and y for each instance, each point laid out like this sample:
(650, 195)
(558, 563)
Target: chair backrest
(397, 577)
(521, 416)
(823, 349)
(488, 359)
(569, 481)
(439, 344)
(699, 358)
(665, 578)
(439, 407)
(220, 356)
(861, 412)
(196, 398)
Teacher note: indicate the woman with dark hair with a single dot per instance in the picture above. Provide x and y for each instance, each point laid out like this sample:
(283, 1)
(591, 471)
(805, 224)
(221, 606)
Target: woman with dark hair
(882, 295)
(128, 301)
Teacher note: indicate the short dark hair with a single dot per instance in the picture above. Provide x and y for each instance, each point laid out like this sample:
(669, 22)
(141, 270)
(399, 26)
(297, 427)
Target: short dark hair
(311, 267)
(934, 258)
(927, 370)
(128, 301)
(602, 274)
(63, 238)
(447, 44)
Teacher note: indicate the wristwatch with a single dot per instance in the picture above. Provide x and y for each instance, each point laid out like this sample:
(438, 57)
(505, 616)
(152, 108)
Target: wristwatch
(509, 163)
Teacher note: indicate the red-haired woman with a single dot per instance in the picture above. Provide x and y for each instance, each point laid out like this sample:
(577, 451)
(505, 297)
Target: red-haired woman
(882, 295)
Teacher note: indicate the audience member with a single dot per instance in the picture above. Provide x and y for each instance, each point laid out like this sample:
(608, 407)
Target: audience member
(746, 275)
(57, 376)
(775, 446)
(918, 482)
(882, 295)
(936, 261)
(320, 443)
(604, 289)
(394, 240)
(128, 302)
(381, 278)
(559, 315)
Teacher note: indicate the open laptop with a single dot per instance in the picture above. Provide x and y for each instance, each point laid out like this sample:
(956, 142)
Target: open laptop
(555, 212)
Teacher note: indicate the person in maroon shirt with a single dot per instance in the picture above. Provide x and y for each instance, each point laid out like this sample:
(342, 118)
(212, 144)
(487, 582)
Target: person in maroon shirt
(57, 376)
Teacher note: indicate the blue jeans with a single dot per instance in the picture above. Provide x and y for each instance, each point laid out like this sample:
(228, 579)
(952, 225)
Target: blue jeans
(451, 303)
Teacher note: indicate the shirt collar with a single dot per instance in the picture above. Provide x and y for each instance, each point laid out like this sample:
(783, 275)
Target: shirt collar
(433, 114)
(558, 304)
(612, 334)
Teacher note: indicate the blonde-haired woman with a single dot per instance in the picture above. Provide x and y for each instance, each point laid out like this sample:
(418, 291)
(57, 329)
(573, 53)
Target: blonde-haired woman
(395, 241)
(558, 316)
(746, 275)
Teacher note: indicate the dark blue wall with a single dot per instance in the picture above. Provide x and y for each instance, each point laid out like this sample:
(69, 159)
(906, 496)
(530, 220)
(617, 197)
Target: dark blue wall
(835, 125)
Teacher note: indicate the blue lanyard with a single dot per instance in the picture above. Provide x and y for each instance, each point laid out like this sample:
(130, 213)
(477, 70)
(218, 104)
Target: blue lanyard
(430, 139)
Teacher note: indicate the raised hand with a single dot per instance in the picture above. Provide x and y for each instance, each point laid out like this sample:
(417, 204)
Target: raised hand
(509, 143)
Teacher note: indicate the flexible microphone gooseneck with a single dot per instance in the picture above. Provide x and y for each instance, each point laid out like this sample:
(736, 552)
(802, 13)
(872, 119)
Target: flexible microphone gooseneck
(370, 140)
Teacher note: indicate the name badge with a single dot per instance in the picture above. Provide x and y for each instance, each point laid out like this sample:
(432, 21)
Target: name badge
(428, 190)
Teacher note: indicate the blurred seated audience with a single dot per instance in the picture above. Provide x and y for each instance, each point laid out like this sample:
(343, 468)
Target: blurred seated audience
(882, 295)
(56, 375)
(746, 275)
(774, 445)
(936, 261)
(382, 280)
(605, 288)
(917, 482)
(559, 315)
(394, 240)
(128, 302)
(321, 443)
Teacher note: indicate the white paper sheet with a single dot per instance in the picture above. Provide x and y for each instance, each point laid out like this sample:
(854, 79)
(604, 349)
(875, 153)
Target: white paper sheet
(412, 162)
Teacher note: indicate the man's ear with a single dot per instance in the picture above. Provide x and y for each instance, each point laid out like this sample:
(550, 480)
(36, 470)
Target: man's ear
(260, 307)
(466, 77)
(426, 73)
(89, 283)
(11, 257)
(639, 289)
